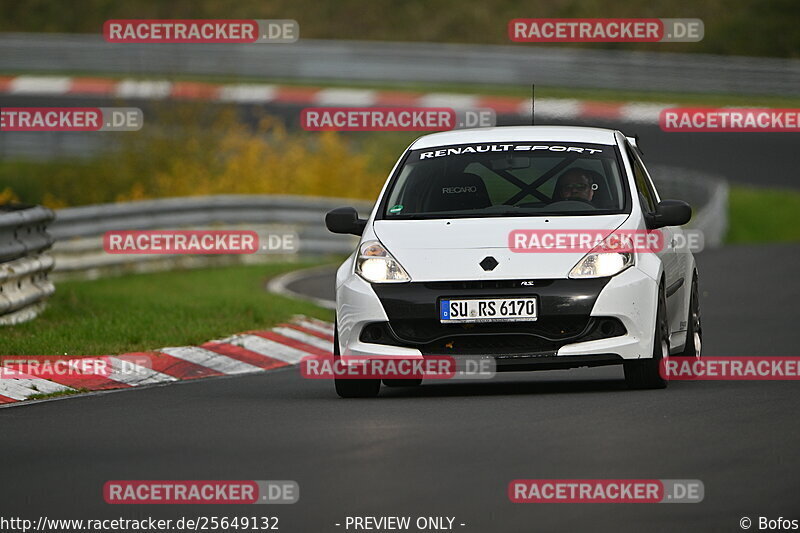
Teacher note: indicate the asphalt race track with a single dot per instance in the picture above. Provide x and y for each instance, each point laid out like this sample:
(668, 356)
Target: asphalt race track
(451, 448)
(447, 448)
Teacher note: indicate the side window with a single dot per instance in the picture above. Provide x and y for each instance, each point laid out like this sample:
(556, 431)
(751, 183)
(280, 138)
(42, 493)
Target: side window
(646, 194)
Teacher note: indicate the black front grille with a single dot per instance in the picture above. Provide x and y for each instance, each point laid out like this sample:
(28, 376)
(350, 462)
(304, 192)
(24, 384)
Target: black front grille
(427, 330)
(555, 297)
(545, 335)
(491, 345)
(564, 307)
(485, 284)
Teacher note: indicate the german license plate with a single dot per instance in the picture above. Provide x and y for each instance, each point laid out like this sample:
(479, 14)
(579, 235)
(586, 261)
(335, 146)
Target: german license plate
(487, 310)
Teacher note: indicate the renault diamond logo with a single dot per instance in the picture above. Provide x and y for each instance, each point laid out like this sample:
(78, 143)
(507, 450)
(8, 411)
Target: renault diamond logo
(488, 263)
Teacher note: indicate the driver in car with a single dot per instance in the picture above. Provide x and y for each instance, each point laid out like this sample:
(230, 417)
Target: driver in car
(575, 184)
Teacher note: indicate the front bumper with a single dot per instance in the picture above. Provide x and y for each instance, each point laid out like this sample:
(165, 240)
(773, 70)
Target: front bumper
(581, 322)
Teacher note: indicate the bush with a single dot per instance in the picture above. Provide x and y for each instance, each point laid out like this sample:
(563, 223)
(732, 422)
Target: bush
(192, 151)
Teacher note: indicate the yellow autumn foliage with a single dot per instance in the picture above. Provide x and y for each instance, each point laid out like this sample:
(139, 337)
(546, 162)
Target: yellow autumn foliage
(234, 158)
(8, 196)
(194, 149)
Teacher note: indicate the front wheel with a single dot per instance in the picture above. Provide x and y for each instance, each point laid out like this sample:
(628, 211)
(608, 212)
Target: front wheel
(694, 329)
(403, 382)
(644, 373)
(357, 388)
(352, 388)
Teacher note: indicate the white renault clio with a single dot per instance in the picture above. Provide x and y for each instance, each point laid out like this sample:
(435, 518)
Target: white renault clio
(444, 265)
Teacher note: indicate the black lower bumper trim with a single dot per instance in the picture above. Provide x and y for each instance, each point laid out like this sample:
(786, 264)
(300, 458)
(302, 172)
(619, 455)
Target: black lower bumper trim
(524, 338)
(564, 317)
(524, 363)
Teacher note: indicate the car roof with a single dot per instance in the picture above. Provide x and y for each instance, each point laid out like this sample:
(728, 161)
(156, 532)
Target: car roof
(518, 133)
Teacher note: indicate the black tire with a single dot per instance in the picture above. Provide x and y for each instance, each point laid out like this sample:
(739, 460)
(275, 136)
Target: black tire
(357, 388)
(353, 388)
(402, 382)
(644, 373)
(694, 328)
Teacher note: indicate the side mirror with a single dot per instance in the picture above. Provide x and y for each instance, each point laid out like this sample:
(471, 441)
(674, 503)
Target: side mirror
(669, 213)
(345, 220)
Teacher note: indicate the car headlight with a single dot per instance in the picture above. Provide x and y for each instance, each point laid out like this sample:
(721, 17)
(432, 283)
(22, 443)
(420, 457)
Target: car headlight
(376, 265)
(608, 258)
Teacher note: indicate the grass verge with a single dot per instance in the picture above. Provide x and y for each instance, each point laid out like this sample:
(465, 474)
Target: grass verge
(763, 215)
(149, 311)
(51, 395)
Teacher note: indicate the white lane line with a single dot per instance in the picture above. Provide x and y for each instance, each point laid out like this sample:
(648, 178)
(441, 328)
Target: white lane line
(557, 107)
(40, 85)
(304, 337)
(645, 113)
(212, 360)
(269, 348)
(451, 100)
(143, 89)
(345, 97)
(279, 285)
(20, 389)
(248, 93)
(128, 372)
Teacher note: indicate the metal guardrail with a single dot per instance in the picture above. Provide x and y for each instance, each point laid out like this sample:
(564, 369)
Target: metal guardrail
(409, 62)
(42, 145)
(78, 230)
(24, 265)
(708, 196)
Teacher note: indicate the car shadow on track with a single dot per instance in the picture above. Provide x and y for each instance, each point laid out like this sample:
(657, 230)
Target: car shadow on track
(505, 388)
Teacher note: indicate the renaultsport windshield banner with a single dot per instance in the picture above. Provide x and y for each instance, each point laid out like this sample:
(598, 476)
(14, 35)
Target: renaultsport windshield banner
(515, 148)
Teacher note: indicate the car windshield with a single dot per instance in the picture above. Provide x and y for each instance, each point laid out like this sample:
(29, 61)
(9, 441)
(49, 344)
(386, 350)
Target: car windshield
(508, 179)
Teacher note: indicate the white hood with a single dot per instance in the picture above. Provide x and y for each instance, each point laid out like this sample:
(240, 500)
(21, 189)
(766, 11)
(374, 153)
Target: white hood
(451, 249)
